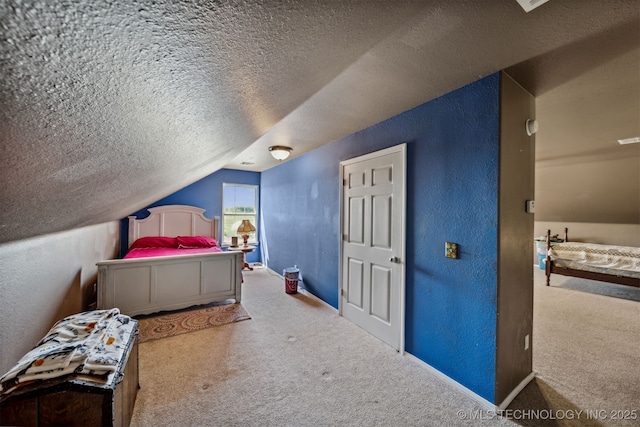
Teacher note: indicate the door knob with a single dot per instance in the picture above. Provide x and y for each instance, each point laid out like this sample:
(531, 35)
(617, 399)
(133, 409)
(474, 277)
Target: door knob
(394, 259)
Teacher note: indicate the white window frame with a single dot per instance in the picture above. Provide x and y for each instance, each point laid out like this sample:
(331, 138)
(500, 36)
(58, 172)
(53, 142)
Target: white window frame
(253, 239)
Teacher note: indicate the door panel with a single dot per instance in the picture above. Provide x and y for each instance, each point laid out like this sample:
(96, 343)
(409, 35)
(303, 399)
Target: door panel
(382, 176)
(381, 293)
(356, 220)
(355, 274)
(356, 179)
(381, 233)
(372, 267)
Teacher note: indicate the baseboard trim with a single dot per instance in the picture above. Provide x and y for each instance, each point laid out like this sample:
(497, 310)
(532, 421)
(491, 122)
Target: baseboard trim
(507, 401)
(479, 399)
(453, 383)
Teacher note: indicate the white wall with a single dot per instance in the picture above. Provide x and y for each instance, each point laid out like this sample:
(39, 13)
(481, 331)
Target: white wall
(46, 278)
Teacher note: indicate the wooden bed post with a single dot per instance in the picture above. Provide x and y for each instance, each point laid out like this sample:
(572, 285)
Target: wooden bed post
(566, 234)
(547, 260)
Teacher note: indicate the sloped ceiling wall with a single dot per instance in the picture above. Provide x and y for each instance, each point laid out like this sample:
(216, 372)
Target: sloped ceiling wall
(107, 106)
(587, 98)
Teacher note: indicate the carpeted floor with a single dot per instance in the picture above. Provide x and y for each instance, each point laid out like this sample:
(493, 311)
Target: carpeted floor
(297, 363)
(600, 288)
(586, 349)
(168, 324)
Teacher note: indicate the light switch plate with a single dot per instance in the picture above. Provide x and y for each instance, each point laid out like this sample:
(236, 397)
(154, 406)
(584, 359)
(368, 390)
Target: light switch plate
(531, 206)
(451, 250)
(529, 5)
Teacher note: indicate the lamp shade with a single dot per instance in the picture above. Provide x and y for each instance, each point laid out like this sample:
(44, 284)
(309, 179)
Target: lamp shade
(246, 227)
(280, 152)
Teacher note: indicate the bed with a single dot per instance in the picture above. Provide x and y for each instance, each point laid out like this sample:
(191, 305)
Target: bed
(604, 263)
(153, 276)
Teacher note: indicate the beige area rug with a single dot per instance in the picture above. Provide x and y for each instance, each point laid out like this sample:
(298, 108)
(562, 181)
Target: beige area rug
(168, 324)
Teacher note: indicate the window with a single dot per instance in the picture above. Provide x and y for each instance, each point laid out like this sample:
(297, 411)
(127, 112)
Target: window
(238, 202)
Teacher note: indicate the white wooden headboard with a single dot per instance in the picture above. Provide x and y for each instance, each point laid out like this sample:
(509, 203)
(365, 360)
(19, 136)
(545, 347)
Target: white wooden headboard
(173, 220)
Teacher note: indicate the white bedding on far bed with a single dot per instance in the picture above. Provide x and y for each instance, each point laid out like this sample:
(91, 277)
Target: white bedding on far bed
(608, 259)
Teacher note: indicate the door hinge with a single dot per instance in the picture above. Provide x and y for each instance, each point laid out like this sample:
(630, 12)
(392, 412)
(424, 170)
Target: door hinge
(343, 292)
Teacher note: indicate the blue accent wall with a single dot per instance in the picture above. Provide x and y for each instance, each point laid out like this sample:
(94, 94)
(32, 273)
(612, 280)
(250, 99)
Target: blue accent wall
(452, 195)
(205, 194)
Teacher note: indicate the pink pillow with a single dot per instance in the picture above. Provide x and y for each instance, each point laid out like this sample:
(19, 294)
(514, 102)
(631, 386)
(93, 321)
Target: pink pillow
(154, 242)
(196, 242)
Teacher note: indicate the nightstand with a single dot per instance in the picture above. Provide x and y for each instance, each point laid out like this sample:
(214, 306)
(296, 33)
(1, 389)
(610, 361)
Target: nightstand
(244, 250)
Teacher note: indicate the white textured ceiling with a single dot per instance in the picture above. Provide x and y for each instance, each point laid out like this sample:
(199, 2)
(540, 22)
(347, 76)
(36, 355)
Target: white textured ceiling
(109, 105)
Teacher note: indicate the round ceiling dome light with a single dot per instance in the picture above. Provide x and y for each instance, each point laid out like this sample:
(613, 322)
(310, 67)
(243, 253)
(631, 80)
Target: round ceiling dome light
(280, 152)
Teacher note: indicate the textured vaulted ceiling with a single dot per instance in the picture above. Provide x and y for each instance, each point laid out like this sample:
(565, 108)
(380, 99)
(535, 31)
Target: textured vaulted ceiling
(109, 105)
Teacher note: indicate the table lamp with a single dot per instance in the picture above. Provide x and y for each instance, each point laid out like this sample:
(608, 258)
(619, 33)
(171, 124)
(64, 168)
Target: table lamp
(245, 228)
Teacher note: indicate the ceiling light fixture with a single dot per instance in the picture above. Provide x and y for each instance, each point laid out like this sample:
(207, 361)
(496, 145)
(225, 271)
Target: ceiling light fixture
(634, 140)
(280, 152)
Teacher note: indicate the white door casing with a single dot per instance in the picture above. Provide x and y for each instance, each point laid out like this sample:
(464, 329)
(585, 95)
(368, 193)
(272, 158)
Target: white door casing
(372, 253)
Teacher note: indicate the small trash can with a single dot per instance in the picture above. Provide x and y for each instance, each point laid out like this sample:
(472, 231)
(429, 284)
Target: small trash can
(541, 251)
(291, 277)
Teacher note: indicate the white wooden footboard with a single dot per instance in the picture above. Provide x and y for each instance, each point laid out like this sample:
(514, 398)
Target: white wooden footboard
(148, 285)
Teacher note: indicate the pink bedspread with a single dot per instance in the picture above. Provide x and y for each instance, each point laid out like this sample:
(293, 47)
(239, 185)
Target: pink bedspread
(156, 252)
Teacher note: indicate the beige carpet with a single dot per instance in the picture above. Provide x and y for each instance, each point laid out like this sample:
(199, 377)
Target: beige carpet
(297, 363)
(168, 324)
(586, 354)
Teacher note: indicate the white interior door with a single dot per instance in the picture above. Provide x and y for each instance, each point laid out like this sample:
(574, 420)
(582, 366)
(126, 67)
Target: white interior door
(372, 255)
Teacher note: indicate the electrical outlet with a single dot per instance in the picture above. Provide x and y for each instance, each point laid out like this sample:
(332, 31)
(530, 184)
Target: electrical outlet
(526, 342)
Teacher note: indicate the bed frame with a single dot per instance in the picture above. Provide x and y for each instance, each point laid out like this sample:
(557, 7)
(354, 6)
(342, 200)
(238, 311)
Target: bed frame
(583, 274)
(148, 285)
